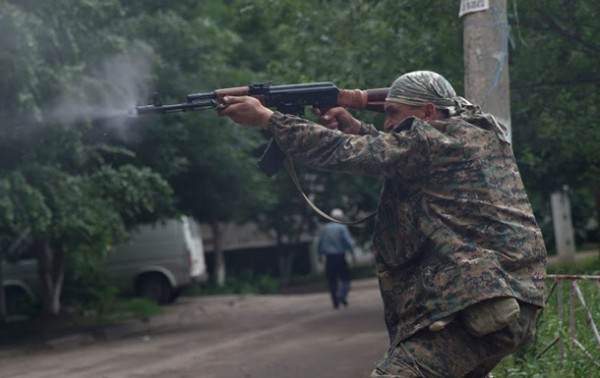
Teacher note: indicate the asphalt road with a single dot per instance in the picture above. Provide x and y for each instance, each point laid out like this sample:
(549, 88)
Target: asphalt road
(290, 336)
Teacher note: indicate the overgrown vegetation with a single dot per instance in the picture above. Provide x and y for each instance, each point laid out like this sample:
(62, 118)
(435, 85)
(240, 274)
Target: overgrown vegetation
(92, 298)
(123, 309)
(245, 282)
(563, 359)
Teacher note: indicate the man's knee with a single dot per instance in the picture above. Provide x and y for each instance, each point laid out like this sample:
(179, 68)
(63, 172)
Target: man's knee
(519, 332)
(490, 315)
(455, 351)
(426, 354)
(397, 365)
(378, 373)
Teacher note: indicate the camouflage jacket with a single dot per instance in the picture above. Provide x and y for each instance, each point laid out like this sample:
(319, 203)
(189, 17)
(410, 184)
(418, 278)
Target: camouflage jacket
(454, 225)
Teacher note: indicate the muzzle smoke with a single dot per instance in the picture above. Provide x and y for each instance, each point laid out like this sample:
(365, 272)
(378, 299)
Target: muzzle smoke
(122, 81)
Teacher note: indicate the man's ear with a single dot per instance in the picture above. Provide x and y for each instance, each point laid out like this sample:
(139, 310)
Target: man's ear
(430, 112)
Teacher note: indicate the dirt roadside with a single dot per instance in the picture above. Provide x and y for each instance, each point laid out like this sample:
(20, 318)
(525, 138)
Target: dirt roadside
(289, 336)
(293, 335)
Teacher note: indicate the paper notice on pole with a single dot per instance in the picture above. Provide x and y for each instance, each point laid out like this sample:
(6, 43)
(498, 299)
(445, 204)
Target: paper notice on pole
(470, 6)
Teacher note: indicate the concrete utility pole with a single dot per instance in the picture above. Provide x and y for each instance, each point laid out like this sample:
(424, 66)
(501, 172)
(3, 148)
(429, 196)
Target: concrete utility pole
(564, 234)
(485, 38)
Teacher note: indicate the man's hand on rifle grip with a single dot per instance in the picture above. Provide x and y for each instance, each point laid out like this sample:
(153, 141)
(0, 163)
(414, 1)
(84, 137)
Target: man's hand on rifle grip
(245, 110)
(338, 118)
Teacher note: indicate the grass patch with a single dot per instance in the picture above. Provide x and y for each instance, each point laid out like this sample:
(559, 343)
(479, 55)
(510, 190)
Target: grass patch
(122, 309)
(245, 282)
(562, 359)
(589, 266)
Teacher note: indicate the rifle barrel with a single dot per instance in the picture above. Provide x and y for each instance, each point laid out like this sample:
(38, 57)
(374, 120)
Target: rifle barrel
(174, 108)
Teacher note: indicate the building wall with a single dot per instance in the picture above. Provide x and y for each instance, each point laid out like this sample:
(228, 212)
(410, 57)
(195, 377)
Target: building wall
(243, 236)
(263, 260)
(247, 248)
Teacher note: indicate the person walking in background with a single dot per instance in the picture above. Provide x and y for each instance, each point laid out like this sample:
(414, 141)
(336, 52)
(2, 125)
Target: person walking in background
(333, 244)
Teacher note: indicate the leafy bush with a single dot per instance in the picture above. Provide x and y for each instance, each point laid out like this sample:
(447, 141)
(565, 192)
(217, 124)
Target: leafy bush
(93, 298)
(88, 289)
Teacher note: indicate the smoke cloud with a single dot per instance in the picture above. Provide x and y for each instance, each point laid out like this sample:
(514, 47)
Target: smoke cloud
(121, 82)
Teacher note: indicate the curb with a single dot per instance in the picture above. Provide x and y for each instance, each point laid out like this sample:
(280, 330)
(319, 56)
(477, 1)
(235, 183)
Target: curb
(108, 333)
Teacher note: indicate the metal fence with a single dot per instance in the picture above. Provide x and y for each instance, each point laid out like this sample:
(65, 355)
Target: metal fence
(574, 295)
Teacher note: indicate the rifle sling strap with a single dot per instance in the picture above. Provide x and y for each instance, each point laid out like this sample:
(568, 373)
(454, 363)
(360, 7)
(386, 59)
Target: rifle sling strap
(289, 166)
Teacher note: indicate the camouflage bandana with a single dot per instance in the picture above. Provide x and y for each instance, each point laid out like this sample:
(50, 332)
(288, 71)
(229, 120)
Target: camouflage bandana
(420, 87)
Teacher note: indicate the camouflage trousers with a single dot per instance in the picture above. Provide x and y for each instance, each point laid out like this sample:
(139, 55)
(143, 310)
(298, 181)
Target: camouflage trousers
(453, 352)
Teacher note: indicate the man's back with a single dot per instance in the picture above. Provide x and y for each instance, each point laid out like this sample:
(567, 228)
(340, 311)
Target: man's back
(334, 238)
(464, 233)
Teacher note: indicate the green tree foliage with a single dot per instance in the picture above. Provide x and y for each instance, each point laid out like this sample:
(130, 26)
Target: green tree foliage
(355, 44)
(78, 177)
(207, 160)
(555, 77)
(68, 191)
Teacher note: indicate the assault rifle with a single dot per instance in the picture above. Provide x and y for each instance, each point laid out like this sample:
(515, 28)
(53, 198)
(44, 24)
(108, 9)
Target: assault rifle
(289, 98)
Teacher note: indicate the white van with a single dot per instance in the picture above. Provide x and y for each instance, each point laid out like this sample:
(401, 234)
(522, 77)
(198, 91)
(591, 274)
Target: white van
(157, 263)
(160, 260)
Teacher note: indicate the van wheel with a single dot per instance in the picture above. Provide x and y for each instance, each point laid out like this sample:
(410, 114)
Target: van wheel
(18, 302)
(155, 287)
